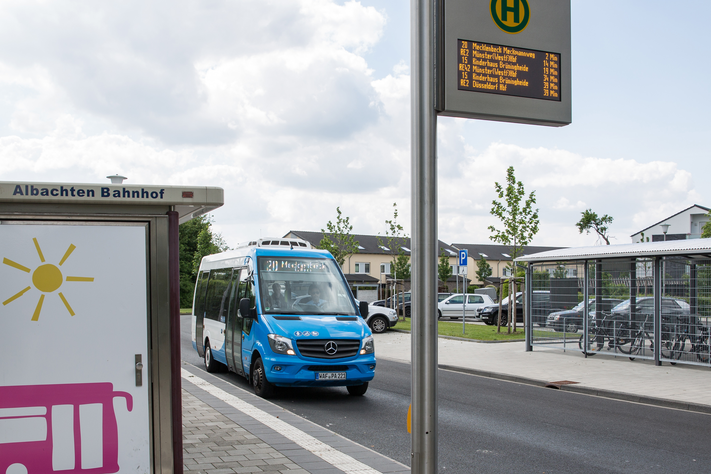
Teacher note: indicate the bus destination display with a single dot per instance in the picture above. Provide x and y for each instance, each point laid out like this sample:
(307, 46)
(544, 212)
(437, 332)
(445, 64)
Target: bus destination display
(508, 70)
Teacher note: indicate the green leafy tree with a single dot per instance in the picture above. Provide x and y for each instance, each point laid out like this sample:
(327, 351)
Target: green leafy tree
(196, 241)
(444, 269)
(338, 239)
(517, 215)
(483, 270)
(560, 271)
(395, 238)
(591, 221)
(706, 229)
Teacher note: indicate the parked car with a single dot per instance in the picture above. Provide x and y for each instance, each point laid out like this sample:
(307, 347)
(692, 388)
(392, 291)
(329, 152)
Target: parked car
(453, 306)
(644, 309)
(380, 319)
(400, 298)
(406, 307)
(572, 320)
(490, 313)
(540, 309)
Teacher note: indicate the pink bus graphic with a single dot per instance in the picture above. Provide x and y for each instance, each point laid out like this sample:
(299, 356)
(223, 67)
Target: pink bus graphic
(68, 428)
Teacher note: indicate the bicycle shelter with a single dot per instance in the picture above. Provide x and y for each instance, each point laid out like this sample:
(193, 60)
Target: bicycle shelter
(644, 300)
(89, 303)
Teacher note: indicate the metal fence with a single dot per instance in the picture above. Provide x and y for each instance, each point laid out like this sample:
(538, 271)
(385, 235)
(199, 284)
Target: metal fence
(648, 308)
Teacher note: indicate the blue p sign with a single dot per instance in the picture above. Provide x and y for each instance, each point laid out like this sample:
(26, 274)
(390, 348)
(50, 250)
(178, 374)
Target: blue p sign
(463, 258)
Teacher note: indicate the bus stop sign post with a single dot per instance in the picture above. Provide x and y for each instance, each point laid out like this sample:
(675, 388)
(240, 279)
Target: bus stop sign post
(503, 60)
(463, 257)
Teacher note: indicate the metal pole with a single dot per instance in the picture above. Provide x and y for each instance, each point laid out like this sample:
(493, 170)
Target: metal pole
(528, 285)
(424, 239)
(464, 305)
(586, 308)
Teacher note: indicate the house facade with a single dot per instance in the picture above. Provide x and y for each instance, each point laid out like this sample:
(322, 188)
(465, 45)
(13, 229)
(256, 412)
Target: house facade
(497, 256)
(686, 224)
(369, 270)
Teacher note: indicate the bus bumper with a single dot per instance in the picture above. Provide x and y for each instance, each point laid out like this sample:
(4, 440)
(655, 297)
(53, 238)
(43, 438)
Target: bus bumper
(285, 372)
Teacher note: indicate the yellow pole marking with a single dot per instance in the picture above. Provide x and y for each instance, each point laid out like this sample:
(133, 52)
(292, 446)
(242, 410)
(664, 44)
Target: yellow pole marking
(409, 419)
(80, 278)
(39, 250)
(35, 317)
(16, 265)
(66, 303)
(67, 254)
(13, 298)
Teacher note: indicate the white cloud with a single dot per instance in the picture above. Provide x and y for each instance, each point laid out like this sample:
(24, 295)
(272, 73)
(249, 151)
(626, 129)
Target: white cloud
(278, 103)
(565, 184)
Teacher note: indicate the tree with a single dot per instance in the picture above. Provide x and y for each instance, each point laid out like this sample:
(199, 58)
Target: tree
(395, 238)
(444, 269)
(590, 221)
(483, 269)
(338, 240)
(196, 241)
(706, 229)
(520, 222)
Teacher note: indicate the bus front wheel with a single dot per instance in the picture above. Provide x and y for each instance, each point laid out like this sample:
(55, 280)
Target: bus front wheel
(357, 390)
(262, 387)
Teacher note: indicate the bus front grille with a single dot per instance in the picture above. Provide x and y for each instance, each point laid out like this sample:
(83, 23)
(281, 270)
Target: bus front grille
(328, 348)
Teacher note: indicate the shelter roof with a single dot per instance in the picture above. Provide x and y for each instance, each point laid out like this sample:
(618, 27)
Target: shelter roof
(683, 248)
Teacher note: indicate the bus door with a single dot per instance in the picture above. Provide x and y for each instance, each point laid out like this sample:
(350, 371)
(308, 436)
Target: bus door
(246, 290)
(199, 305)
(233, 326)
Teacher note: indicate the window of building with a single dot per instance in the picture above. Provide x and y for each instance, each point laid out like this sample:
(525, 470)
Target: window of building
(362, 267)
(385, 268)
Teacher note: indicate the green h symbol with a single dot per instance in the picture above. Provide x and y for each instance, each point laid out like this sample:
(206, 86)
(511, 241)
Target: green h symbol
(505, 9)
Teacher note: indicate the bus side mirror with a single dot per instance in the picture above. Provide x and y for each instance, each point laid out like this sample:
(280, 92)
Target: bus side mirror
(363, 309)
(244, 308)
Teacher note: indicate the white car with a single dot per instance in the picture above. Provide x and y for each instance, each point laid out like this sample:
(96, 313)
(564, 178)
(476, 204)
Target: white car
(380, 318)
(453, 306)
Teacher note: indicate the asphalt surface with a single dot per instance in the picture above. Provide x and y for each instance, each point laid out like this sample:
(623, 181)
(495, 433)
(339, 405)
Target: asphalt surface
(499, 426)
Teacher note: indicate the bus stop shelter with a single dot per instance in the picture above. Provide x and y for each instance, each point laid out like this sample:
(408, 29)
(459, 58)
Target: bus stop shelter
(644, 300)
(89, 304)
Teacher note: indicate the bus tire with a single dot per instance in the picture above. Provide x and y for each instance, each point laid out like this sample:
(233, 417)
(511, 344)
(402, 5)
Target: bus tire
(262, 387)
(211, 365)
(357, 390)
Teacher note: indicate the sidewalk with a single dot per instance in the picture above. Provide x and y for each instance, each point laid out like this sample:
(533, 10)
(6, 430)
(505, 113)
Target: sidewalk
(229, 430)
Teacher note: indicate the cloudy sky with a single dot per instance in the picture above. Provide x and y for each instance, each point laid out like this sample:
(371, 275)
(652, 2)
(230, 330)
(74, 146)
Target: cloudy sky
(295, 107)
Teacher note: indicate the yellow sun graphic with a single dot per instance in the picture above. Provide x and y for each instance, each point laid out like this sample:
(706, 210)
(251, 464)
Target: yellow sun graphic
(47, 278)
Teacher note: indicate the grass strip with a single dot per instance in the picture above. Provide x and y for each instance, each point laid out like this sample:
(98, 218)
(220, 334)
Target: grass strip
(480, 332)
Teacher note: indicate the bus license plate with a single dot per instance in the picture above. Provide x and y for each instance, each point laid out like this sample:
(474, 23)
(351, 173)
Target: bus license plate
(330, 376)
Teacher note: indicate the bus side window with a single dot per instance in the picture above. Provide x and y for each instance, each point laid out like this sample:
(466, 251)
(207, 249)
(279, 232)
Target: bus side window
(217, 289)
(246, 290)
(200, 294)
(225, 303)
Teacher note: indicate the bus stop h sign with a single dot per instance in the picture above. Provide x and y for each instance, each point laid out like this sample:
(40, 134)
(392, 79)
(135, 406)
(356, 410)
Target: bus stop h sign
(505, 60)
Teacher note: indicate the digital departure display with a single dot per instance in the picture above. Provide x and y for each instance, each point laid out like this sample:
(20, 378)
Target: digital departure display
(508, 70)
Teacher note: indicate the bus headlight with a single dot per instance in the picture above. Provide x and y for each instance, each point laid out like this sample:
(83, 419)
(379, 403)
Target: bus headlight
(368, 346)
(281, 344)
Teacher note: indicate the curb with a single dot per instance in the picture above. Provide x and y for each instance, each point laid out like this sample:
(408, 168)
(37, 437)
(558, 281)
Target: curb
(660, 402)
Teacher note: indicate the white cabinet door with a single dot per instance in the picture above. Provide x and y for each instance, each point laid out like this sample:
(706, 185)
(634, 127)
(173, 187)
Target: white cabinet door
(74, 318)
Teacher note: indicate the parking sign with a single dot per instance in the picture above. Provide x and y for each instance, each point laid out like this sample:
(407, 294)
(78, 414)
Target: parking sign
(463, 258)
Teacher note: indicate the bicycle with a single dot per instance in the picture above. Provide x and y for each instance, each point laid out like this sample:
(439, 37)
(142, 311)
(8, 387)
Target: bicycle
(698, 338)
(636, 340)
(599, 333)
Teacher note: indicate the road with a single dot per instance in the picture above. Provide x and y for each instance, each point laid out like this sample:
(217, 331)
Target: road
(493, 426)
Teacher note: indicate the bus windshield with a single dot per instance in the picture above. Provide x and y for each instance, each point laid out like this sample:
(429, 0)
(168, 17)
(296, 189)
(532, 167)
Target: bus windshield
(291, 285)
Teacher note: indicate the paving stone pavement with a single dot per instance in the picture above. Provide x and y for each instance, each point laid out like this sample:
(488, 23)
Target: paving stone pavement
(212, 443)
(233, 431)
(230, 430)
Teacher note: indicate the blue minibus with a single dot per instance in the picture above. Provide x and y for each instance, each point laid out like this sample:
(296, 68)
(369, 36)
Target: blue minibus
(281, 314)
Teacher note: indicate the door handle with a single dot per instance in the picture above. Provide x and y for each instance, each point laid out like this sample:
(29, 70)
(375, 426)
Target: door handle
(139, 370)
